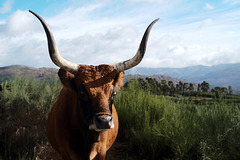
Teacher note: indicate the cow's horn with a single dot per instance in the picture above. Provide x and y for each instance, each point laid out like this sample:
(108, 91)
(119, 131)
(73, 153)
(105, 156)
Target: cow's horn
(122, 66)
(53, 51)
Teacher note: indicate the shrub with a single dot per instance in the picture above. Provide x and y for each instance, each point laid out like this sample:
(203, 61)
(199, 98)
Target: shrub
(22, 126)
(154, 127)
(157, 127)
(139, 112)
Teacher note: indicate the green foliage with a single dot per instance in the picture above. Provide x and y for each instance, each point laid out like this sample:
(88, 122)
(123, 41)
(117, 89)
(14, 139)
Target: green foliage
(218, 130)
(157, 127)
(153, 125)
(204, 86)
(138, 112)
(25, 104)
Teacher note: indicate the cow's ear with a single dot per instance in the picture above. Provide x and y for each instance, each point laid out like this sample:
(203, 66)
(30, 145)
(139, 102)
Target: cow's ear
(66, 78)
(118, 81)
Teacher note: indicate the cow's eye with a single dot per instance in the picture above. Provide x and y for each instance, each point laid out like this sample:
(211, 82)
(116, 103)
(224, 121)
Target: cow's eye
(113, 95)
(83, 96)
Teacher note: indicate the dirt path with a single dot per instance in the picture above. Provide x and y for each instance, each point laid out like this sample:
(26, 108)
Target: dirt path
(117, 152)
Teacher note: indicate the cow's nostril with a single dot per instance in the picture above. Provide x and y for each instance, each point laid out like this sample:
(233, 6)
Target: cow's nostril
(99, 119)
(104, 122)
(102, 119)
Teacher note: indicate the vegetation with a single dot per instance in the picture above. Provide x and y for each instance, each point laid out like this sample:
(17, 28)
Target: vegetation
(24, 105)
(157, 120)
(171, 89)
(160, 127)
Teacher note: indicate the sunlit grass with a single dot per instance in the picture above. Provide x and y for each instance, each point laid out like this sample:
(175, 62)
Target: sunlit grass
(154, 127)
(157, 127)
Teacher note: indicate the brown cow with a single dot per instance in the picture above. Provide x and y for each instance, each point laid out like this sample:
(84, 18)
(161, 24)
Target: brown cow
(83, 123)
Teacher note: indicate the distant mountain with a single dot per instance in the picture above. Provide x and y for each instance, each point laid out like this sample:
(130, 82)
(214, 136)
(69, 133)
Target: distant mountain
(9, 72)
(157, 77)
(218, 75)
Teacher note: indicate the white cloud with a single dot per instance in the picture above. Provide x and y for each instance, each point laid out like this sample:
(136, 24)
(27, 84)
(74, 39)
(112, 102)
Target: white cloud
(81, 42)
(194, 47)
(109, 48)
(134, 1)
(191, 55)
(204, 23)
(208, 6)
(6, 7)
(19, 22)
(92, 35)
(232, 2)
(177, 49)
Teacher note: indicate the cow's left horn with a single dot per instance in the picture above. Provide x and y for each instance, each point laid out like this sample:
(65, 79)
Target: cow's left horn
(122, 66)
(53, 51)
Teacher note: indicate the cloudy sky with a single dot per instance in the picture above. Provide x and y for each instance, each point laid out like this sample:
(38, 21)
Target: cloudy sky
(199, 32)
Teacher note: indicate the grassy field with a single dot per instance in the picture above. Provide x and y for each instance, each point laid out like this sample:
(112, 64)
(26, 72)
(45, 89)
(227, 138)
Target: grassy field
(153, 127)
(158, 127)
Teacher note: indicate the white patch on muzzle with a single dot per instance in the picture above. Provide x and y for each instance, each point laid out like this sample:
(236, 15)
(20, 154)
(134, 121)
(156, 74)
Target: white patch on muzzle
(102, 126)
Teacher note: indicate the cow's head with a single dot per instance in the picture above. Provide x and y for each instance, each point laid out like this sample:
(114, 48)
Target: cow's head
(95, 86)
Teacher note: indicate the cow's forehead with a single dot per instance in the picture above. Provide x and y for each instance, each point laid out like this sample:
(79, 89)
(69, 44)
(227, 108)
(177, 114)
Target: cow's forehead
(95, 76)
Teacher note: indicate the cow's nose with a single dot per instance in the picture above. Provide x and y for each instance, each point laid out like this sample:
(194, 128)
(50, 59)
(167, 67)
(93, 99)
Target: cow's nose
(104, 121)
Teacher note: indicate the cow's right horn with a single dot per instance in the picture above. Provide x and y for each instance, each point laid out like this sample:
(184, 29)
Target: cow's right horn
(122, 66)
(53, 51)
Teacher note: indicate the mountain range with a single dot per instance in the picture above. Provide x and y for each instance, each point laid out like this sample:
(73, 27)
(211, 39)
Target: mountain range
(223, 75)
(9, 72)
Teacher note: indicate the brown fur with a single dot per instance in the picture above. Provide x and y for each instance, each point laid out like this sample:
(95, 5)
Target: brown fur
(66, 125)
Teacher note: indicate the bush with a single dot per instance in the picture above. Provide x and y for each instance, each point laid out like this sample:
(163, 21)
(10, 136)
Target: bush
(138, 112)
(22, 126)
(156, 127)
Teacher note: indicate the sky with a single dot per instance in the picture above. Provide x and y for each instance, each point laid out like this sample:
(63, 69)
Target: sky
(199, 32)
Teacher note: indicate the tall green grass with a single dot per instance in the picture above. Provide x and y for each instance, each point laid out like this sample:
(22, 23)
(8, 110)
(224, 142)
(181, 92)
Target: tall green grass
(25, 103)
(157, 127)
(154, 127)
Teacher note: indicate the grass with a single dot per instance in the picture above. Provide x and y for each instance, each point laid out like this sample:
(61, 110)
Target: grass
(153, 126)
(25, 104)
(158, 127)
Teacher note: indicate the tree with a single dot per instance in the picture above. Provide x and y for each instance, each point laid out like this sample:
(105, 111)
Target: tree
(199, 88)
(180, 86)
(205, 86)
(220, 91)
(143, 83)
(170, 83)
(165, 87)
(230, 90)
(172, 88)
(224, 90)
(191, 87)
(153, 84)
(185, 86)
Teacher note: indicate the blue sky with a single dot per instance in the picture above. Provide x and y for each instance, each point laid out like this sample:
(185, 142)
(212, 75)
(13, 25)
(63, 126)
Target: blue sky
(200, 32)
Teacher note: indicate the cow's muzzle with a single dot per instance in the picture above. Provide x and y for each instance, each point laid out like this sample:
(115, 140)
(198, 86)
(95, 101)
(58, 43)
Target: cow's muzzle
(102, 122)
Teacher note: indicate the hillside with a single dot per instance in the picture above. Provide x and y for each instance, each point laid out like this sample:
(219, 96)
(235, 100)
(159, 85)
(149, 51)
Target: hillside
(229, 75)
(157, 77)
(10, 72)
(218, 75)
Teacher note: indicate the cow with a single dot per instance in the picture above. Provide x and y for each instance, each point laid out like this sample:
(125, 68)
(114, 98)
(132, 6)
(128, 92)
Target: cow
(83, 123)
